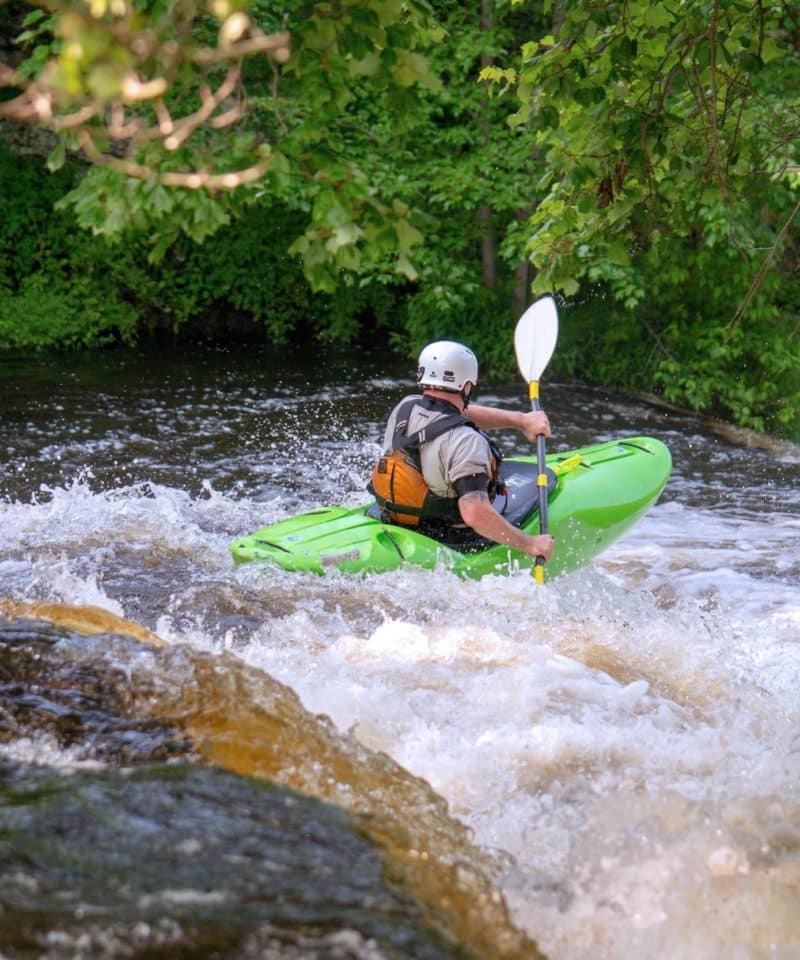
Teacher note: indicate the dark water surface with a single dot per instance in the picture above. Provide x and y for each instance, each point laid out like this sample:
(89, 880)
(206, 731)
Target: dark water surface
(396, 766)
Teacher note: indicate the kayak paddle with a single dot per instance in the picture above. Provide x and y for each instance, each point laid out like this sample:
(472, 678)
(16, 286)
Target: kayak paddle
(534, 342)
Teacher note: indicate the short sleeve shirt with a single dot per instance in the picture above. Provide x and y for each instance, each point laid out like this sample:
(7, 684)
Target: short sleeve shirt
(460, 452)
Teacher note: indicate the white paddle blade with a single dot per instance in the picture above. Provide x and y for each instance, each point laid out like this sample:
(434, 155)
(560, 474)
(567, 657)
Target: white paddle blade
(535, 338)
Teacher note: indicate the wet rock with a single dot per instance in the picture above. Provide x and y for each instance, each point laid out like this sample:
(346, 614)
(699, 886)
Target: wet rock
(82, 706)
(185, 861)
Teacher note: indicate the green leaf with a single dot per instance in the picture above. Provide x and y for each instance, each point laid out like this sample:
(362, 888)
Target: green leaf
(405, 267)
(345, 234)
(412, 68)
(56, 157)
(657, 15)
(407, 235)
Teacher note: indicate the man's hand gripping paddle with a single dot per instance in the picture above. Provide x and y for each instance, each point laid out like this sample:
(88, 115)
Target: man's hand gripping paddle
(534, 342)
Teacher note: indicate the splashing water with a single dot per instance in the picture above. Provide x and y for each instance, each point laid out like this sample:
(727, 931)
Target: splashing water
(622, 743)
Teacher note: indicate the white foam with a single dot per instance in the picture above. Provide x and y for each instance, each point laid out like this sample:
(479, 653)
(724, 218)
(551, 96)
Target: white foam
(44, 750)
(598, 732)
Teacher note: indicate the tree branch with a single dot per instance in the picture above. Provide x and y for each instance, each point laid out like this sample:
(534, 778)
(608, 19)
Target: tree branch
(190, 179)
(98, 121)
(759, 277)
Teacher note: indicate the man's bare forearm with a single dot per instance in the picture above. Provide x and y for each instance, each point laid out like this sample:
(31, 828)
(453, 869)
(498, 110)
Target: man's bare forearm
(476, 511)
(493, 418)
(530, 423)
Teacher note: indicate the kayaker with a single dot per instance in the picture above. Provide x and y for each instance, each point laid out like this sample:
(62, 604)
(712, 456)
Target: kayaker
(439, 470)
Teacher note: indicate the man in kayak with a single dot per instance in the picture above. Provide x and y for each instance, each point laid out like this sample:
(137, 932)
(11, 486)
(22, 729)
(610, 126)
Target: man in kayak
(439, 470)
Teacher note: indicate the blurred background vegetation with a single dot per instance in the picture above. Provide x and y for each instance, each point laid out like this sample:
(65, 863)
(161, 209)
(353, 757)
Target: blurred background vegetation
(384, 173)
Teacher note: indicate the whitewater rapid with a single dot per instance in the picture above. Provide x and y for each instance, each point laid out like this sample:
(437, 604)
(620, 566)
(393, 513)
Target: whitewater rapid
(622, 742)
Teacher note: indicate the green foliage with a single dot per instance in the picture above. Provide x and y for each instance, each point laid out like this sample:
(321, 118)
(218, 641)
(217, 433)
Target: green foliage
(350, 89)
(641, 115)
(643, 158)
(692, 377)
(362, 143)
(305, 129)
(53, 290)
(472, 175)
(50, 310)
(241, 269)
(110, 205)
(670, 138)
(59, 288)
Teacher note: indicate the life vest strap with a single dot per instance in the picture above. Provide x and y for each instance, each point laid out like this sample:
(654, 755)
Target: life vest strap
(403, 441)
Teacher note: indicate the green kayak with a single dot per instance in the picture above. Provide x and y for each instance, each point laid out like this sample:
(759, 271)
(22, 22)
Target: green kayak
(595, 495)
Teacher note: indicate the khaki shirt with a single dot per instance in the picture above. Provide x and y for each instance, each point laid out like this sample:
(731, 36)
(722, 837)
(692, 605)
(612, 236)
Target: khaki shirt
(460, 452)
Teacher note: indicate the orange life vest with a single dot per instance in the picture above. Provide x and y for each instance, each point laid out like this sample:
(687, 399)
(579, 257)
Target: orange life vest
(397, 482)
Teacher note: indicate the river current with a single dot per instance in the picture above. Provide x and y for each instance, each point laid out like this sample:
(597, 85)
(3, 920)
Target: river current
(605, 766)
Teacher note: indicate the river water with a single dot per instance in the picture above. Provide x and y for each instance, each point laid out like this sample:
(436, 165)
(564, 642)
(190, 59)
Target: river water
(606, 766)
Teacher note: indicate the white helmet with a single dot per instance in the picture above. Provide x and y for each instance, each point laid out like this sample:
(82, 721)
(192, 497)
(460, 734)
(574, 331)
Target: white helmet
(448, 366)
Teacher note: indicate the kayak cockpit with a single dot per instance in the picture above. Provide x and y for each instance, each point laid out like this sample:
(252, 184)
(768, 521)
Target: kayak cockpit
(518, 503)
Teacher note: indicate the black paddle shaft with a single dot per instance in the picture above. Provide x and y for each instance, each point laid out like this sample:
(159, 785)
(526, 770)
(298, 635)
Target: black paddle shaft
(541, 467)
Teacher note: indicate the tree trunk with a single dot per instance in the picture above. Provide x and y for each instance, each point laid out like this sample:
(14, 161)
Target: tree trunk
(488, 243)
(522, 288)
